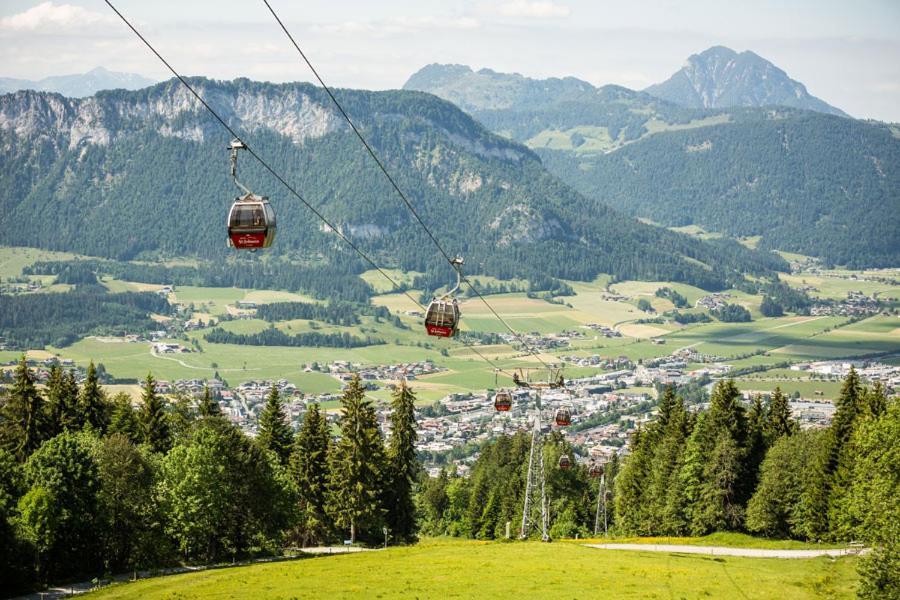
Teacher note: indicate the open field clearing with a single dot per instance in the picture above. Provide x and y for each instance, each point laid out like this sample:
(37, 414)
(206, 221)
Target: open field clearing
(13, 260)
(465, 569)
(836, 284)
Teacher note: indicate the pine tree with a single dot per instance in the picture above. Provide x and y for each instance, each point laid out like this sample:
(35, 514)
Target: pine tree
(714, 465)
(758, 443)
(309, 471)
(275, 433)
(357, 466)
(876, 401)
(667, 461)
(92, 409)
(779, 421)
(403, 465)
(153, 418)
(24, 418)
(55, 403)
(125, 419)
(207, 407)
(631, 486)
(850, 406)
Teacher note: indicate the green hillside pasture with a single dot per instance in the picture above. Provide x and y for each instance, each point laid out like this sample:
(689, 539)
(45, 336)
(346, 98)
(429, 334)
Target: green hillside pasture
(14, 259)
(835, 287)
(725, 539)
(807, 389)
(523, 315)
(235, 363)
(467, 569)
(594, 140)
(733, 339)
(875, 335)
(381, 285)
(648, 288)
(588, 300)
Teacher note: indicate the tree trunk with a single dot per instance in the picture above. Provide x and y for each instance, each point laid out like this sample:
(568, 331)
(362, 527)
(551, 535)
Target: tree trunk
(352, 531)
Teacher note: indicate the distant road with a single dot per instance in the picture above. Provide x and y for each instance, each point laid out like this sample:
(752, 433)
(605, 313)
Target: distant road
(723, 551)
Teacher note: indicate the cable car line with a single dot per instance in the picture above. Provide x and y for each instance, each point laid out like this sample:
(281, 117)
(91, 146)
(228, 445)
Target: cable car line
(288, 186)
(394, 183)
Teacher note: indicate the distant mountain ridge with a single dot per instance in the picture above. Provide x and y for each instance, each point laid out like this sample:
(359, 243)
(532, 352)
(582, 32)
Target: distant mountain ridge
(719, 77)
(78, 85)
(803, 181)
(144, 174)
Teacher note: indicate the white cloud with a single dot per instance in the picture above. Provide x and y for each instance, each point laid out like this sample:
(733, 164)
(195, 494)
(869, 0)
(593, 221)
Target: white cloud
(532, 10)
(398, 25)
(48, 16)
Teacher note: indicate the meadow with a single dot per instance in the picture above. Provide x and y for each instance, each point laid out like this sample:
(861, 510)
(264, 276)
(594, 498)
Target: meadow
(762, 342)
(468, 569)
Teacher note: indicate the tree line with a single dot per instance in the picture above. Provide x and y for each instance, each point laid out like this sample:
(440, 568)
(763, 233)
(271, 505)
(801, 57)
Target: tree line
(91, 485)
(727, 468)
(275, 337)
(35, 320)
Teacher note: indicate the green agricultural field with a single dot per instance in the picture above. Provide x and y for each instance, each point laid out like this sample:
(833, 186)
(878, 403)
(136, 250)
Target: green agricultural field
(807, 389)
(13, 260)
(468, 569)
(836, 284)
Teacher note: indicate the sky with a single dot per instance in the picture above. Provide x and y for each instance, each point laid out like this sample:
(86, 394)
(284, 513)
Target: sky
(845, 52)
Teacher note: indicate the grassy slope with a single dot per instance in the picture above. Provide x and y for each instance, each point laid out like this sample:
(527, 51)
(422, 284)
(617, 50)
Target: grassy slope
(465, 569)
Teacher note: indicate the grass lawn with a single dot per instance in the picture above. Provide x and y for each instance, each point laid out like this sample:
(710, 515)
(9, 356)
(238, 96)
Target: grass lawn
(724, 539)
(13, 260)
(467, 569)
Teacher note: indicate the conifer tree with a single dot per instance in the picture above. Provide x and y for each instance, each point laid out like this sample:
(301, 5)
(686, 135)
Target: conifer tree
(153, 418)
(55, 404)
(667, 462)
(403, 465)
(779, 421)
(876, 401)
(717, 497)
(357, 466)
(631, 486)
(207, 407)
(24, 414)
(69, 402)
(275, 433)
(309, 471)
(124, 419)
(758, 443)
(92, 408)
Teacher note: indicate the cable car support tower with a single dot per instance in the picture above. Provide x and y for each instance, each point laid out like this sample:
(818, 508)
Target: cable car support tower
(535, 488)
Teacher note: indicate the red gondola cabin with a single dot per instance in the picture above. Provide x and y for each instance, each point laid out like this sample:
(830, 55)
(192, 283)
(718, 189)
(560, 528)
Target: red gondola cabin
(563, 417)
(502, 401)
(442, 318)
(251, 223)
(564, 463)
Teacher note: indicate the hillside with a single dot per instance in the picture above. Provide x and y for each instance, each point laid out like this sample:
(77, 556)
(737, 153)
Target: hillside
(798, 179)
(145, 175)
(720, 77)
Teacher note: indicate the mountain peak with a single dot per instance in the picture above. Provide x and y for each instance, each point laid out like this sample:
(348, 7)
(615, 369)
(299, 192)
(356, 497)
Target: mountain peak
(719, 77)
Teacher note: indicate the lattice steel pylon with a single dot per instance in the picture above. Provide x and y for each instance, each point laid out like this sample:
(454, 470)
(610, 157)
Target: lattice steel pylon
(535, 484)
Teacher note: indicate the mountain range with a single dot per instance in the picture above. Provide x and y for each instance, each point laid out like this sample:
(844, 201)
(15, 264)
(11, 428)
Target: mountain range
(79, 85)
(144, 174)
(719, 77)
(794, 179)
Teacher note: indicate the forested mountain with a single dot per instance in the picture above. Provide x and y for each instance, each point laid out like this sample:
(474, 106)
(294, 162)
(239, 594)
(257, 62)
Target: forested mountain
(79, 85)
(144, 174)
(807, 182)
(720, 77)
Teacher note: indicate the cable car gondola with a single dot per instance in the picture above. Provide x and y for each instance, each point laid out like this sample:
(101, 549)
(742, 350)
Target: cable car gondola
(563, 416)
(442, 316)
(564, 463)
(502, 401)
(595, 470)
(251, 220)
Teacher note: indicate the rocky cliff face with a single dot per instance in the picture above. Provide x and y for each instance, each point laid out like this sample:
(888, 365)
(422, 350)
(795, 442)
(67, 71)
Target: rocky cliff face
(720, 77)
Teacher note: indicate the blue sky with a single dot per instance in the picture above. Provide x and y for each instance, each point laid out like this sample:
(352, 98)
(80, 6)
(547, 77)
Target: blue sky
(847, 53)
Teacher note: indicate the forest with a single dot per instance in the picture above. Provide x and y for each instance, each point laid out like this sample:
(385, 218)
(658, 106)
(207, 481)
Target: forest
(36, 320)
(89, 484)
(276, 337)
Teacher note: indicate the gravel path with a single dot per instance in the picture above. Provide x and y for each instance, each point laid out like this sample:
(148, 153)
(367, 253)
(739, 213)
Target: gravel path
(723, 551)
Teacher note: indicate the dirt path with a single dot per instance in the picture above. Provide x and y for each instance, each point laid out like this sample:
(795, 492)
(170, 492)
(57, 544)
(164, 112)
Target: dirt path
(723, 551)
